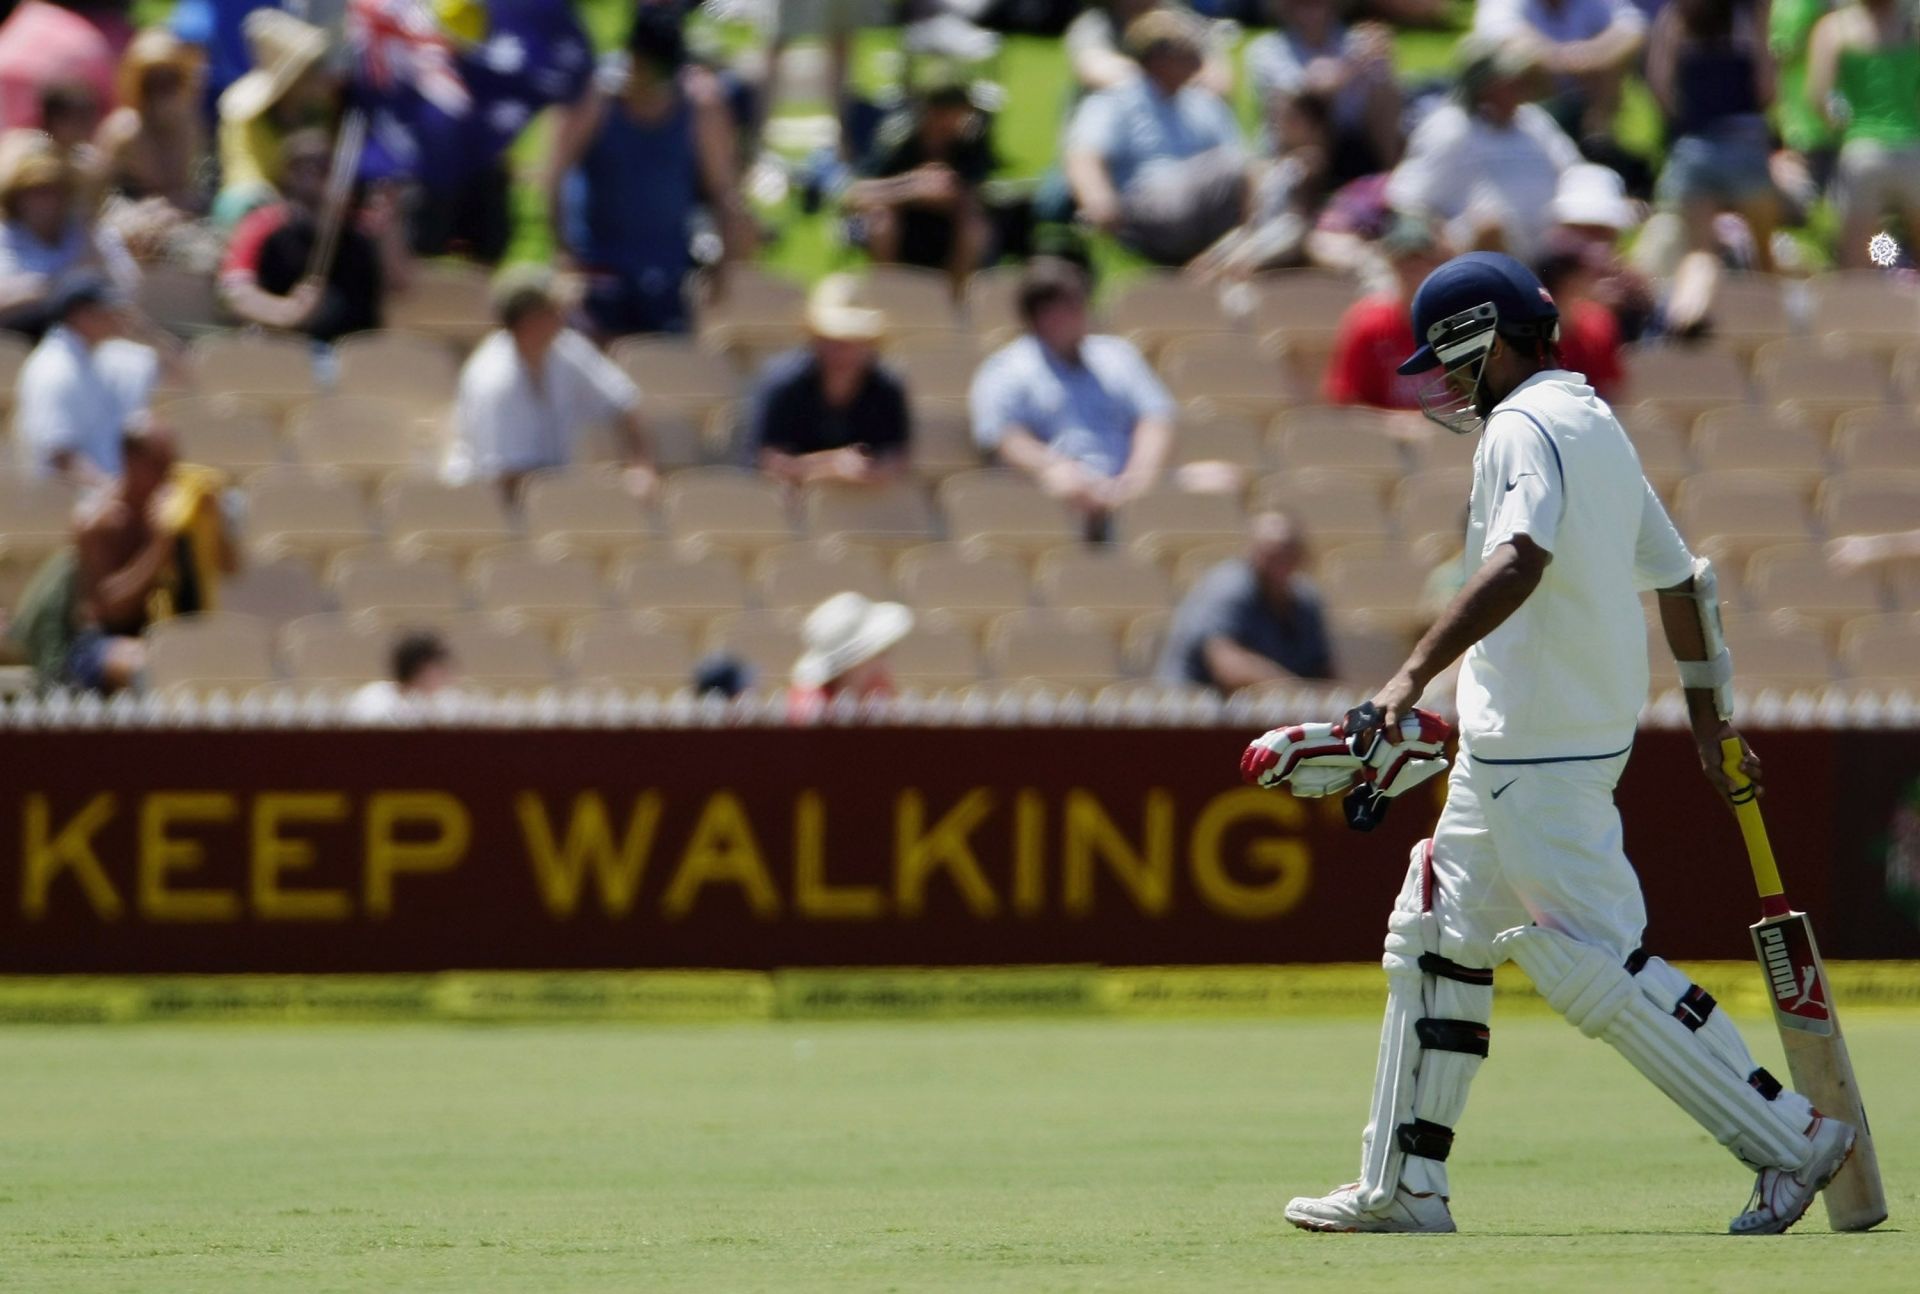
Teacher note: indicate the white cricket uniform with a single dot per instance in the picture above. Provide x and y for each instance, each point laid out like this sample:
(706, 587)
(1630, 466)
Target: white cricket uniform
(1549, 701)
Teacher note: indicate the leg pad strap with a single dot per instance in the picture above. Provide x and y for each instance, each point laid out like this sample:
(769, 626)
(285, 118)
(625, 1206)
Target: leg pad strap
(1447, 968)
(1469, 1036)
(1427, 1139)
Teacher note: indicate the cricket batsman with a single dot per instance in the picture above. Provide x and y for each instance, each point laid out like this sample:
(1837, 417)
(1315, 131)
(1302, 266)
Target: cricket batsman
(1526, 863)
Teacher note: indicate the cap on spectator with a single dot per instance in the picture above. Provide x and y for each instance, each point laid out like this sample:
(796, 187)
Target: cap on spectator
(1160, 30)
(1408, 235)
(28, 161)
(82, 288)
(283, 50)
(721, 674)
(846, 630)
(832, 314)
(1590, 194)
(520, 290)
(1480, 60)
(155, 49)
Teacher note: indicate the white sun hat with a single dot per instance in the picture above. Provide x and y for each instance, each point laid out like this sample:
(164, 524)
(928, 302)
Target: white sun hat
(846, 630)
(1590, 194)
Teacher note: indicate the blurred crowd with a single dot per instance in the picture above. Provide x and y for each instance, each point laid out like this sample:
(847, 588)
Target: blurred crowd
(303, 159)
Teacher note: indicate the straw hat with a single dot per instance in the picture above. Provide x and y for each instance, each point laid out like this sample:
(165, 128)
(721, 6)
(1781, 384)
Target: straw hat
(1159, 28)
(283, 50)
(846, 630)
(155, 48)
(1590, 194)
(28, 160)
(832, 314)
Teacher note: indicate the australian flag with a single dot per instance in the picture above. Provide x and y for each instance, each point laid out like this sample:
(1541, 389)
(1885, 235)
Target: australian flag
(442, 107)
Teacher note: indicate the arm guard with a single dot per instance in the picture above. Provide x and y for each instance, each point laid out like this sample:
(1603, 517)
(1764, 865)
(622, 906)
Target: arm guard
(1715, 673)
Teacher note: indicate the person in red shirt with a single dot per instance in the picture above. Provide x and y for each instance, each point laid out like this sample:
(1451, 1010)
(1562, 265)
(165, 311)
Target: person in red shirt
(1589, 332)
(1376, 332)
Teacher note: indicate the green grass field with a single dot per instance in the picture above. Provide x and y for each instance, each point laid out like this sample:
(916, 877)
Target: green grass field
(1010, 1155)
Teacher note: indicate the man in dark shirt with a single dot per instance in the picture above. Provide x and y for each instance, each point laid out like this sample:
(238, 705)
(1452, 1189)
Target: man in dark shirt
(830, 411)
(918, 201)
(1251, 620)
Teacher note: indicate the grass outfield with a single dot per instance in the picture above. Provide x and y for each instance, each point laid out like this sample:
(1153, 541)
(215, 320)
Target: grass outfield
(1028, 1155)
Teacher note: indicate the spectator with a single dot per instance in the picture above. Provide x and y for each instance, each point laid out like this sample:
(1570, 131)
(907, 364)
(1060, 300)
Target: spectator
(533, 388)
(423, 671)
(270, 277)
(1314, 53)
(42, 43)
(154, 147)
(1587, 46)
(82, 615)
(1288, 196)
(1158, 159)
(70, 117)
(83, 383)
(1802, 124)
(845, 642)
(45, 235)
(721, 674)
(832, 21)
(1252, 619)
(1487, 163)
(1862, 72)
(288, 91)
(830, 411)
(1591, 207)
(630, 165)
(1376, 332)
(1589, 334)
(1083, 415)
(1712, 77)
(1092, 42)
(919, 200)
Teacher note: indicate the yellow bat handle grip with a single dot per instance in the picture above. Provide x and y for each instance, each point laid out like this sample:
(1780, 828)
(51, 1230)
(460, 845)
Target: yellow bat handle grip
(1746, 810)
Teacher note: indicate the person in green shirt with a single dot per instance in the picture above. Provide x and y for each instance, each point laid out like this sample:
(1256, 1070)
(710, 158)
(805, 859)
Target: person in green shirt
(1802, 126)
(1863, 74)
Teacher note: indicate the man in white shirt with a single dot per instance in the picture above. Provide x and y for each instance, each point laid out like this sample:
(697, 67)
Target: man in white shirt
(1526, 863)
(533, 388)
(83, 382)
(1488, 163)
(423, 671)
(1587, 46)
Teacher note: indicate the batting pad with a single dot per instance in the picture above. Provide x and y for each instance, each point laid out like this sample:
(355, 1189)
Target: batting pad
(1601, 999)
(1671, 991)
(1431, 1045)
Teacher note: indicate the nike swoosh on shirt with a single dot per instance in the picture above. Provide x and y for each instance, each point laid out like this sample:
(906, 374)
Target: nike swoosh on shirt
(1516, 480)
(1503, 790)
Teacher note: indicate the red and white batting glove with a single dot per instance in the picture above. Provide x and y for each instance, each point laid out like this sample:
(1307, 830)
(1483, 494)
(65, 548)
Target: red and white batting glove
(1309, 759)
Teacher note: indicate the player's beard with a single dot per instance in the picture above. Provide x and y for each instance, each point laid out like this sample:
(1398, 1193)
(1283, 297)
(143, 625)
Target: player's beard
(1442, 402)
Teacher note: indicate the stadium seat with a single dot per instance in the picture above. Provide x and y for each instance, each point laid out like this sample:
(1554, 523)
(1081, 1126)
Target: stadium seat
(1383, 581)
(1006, 510)
(1749, 311)
(1684, 380)
(1302, 304)
(891, 516)
(1110, 583)
(1061, 649)
(1334, 507)
(229, 432)
(272, 368)
(536, 587)
(1218, 438)
(1883, 652)
(1878, 439)
(1159, 306)
(1351, 439)
(413, 369)
(1740, 511)
(935, 657)
(362, 437)
(1195, 562)
(631, 650)
(942, 441)
(1141, 640)
(334, 649)
(497, 654)
(1796, 577)
(936, 367)
(801, 576)
(1435, 447)
(36, 516)
(1232, 373)
(1770, 652)
(993, 298)
(447, 299)
(294, 511)
(1165, 523)
(1748, 437)
(1662, 443)
(682, 585)
(676, 438)
(209, 652)
(424, 514)
(768, 641)
(373, 580)
(1865, 310)
(1366, 651)
(966, 586)
(675, 373)
(275, 593)
(181, 299)
(916, 300)
(726, 508)
(588, 512)
(759, 314)
(1868, 503)
(14, 350)
(1430, 510)
(1820, 382)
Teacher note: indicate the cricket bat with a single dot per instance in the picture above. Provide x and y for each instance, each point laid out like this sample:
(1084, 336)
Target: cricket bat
(1803, 1008)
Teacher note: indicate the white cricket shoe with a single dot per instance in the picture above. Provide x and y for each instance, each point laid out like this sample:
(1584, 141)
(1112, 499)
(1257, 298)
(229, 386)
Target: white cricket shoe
(1781, 1196)
(1340, 1211)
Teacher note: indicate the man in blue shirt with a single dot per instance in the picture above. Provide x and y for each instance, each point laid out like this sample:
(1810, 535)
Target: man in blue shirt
(1252, 619)
(1158, 160)
(1083, 415)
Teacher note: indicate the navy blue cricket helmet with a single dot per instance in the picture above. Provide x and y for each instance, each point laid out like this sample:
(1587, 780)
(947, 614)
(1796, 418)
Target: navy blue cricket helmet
(1457, 313)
